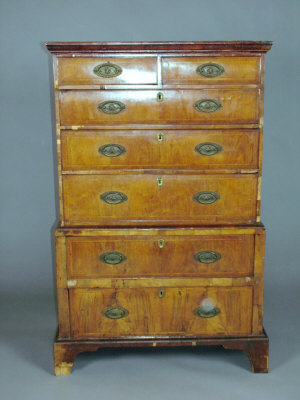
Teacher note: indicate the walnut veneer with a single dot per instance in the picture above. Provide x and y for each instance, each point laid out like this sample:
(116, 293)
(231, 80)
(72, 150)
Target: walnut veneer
(159, 166)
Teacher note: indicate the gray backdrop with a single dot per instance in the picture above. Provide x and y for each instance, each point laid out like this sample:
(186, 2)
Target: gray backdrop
(28, 208)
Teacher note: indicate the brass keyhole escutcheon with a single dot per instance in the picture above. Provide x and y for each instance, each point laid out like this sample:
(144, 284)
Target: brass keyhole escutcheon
(160, 137)
(161, 293)
(160, 181)
(161, 243)
(160, 97)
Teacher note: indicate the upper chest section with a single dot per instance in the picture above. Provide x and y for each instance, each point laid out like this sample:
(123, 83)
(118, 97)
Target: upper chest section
(164, 71)
(158, 64)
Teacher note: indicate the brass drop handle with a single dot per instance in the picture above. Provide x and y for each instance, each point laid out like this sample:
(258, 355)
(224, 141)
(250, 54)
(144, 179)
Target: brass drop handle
(207, 256)
(113, 197)
(160, 97)
(207, 312)
(159, 181)
(115, 312)
(207, 105)
(160, 137)
(112, 257)
(107, 70)
(210, 70)
(161, 243)
(112, 150)
(206, 197)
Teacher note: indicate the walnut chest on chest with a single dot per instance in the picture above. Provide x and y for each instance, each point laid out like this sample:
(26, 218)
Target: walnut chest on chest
(159, 150)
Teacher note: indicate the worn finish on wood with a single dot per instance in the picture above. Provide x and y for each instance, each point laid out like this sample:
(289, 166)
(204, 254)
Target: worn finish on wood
(81, 107)
(165, 149)
(183, 70)
(157, 47)
(144, 257)
(159, 150)
(256, 347)
(150, 314)
(80, 71)
(147, 203)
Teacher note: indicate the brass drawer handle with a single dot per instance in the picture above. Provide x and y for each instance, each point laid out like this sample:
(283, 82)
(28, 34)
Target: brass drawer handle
(112, 257)
(113, 197)
(206, 197)
(207, 256)
(207, 105)
(160, 97)
(208, 149)
(205, 312)
(107, 70)
(112, 150)
(210, 70)
(115, 312)
(111, 107)
(160, 137)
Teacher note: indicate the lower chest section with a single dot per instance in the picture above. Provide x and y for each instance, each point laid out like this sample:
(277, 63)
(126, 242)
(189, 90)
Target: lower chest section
(155, 311)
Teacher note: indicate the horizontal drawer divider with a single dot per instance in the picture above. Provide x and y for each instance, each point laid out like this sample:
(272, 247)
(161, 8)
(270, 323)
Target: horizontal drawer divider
(159, 282)
(160, 126)
(155, 171)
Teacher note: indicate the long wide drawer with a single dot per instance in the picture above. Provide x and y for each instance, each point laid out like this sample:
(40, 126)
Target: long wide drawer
(160, 256)
(206, 106)
(201, 149)
(163, 311)
(151, 199)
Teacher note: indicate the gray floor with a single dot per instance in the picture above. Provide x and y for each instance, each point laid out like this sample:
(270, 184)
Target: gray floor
(28, 327)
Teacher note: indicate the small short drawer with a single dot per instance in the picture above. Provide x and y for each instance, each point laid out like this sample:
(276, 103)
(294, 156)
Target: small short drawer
(107, 71)
(158, 199)
(160, 256)
(131, 149)
(160, 311)
(117, 107)
(210, 70)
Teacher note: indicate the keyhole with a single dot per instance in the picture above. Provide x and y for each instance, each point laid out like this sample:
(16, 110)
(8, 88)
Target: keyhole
(161, 293)
(160, 137)
(160, 97)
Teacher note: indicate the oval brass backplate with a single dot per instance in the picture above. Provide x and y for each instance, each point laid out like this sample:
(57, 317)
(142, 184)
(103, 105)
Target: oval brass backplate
(207, 256)
(107, 70)
(112, 257)
(208, 149)
(115, 312)
(210, 70)
(111, 107)
(207, 105)
(206, 197)
(202, 312)
(113, 197)
(112, 150)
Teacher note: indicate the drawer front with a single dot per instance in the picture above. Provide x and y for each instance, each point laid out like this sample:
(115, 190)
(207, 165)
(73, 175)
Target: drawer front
(143, 198)
(209, 149)
(107, 71)
(159, 256)
(210, 70)
(206, 106)
(153, 311)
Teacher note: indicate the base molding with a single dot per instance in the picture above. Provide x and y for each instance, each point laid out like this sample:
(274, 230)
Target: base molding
(256, 347)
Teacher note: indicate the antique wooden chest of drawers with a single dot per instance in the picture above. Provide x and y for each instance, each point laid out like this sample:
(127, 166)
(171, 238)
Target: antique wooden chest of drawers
(159, 150)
